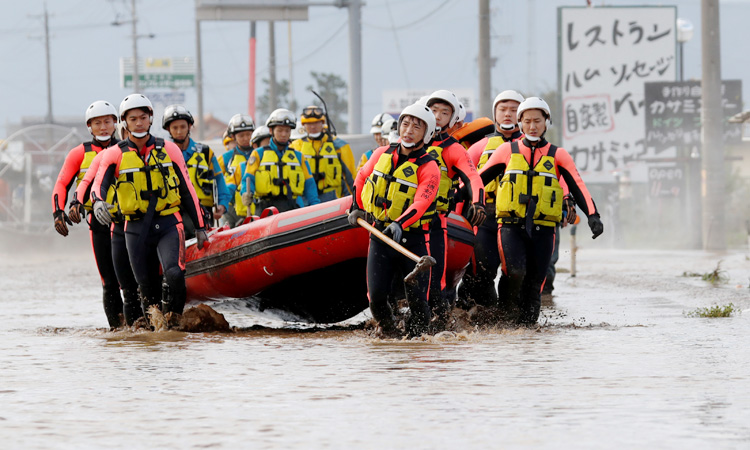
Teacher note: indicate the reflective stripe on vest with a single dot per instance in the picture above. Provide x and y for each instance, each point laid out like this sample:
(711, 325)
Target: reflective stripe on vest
(513, 196)
(275, 177)
(325, 165)
(138, 182)
(389, 192)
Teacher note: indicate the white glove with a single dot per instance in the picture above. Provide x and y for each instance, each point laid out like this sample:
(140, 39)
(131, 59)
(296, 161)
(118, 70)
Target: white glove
(101, 212)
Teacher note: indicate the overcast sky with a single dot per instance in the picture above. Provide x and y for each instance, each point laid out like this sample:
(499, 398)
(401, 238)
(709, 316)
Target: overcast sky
(416, 44)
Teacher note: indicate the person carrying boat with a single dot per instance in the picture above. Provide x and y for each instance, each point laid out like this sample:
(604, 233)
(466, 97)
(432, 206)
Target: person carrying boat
(381, 128)
(203, 167)
(101, 120)
(152, 184)
(241, 127)
(397, 188)
(529, 204)
(131, 303)
(260, 138)
(455, 167)
(478, 283)
(276, 174)
(330, 158)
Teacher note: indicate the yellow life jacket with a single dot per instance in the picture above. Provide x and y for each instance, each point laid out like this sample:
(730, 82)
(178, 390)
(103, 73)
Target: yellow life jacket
(88, 156)
(446, 183)
(276, 177)
(520, 186)
(387, 193)
(201, 175)
(325, 165)
(233, 168)
(492, 144)
(140, 182)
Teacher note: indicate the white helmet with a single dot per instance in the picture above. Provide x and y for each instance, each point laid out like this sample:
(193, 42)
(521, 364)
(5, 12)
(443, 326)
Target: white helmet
(535, 103)
(444, 96)
(424, 114)
(505, 96)
(282, 116)
(461, 112)
(389, 130)
(423, 100)
(134, 101)
(260, 133)
(100, 108)
(378, 121)
(240, 122)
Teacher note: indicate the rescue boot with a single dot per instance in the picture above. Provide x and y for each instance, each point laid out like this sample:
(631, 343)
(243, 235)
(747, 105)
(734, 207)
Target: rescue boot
(149, 296)
(112, 307)
(173, 291)
(131, 306)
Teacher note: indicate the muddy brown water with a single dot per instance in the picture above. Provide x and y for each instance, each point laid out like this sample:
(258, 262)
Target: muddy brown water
(616, 364)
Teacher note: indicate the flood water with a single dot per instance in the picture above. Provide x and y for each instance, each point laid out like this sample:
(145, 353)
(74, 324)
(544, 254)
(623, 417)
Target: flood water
(616, 364)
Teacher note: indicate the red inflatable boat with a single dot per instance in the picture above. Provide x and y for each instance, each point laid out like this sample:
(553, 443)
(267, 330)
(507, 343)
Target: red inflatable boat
(309, 262)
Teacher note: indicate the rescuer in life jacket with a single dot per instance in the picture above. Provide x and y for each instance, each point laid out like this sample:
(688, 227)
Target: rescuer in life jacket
(397, 190)
(260, 138)
(381, 138)
(203, 168)
(455, 167)
(101, 120)
(529, 204)
(131, 303)
(152, 184)
(277, 175)
(330, 159)
(241, 127)
(478, 283)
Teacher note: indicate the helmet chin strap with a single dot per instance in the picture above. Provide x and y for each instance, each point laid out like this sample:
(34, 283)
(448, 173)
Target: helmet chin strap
(507, 127)
(408, 144)
(316, 135)
(138, 135)
(533, 138)
(179, 141)
(104, 138)
(245, 148)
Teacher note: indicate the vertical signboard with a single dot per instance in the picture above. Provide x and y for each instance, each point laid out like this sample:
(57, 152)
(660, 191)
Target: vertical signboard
(606, 55)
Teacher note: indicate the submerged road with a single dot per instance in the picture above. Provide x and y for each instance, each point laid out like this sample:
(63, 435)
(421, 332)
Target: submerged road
(616, 363)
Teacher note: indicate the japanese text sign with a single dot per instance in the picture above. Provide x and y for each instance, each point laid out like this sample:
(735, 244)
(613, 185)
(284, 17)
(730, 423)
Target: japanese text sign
(606, 55)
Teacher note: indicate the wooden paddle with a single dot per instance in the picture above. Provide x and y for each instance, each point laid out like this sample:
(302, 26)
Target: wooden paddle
(423, 262)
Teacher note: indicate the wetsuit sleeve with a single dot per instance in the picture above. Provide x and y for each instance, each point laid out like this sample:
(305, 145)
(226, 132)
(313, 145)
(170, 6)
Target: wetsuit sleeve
(248, 180)
(567, 168)
(428, 181)
(188, 198)
(67, 175)
(476, 150)
(221, 184)
(496, 165)
(460, 164)
(84, 187)
(365, 172)
(109, 170)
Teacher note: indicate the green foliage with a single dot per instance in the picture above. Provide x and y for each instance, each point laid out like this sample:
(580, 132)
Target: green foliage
(333, 89)
(713, 311)
(715, 277)
(283, 100)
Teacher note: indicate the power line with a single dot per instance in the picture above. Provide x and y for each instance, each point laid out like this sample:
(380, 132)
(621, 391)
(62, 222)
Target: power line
(401, 27)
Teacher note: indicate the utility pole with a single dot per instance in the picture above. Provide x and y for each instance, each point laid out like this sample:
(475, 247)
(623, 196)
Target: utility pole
(355, 66)
(272, 70)
(713, 135)
(483, 59)
(199, 77)
(251, 74)
(49, 71)
(136, 79)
